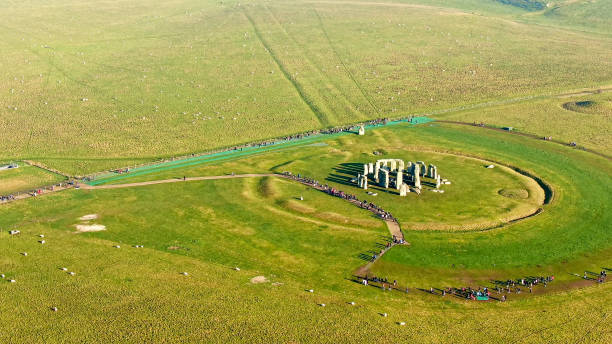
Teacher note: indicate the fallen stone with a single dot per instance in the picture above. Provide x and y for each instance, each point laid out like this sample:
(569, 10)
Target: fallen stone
(14, 232)
(12, 281)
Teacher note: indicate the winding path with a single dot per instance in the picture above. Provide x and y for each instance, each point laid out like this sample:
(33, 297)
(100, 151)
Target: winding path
(392, 225)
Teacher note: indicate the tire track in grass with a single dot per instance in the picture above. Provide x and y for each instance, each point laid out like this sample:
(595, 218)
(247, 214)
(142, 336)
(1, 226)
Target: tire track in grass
(322, 117)
(332, 85)
(348, 72)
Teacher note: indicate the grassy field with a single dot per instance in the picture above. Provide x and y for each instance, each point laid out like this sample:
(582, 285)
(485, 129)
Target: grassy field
(104, 84)
(258, 224)
(585, 119)
(97, 85)
(26, 178)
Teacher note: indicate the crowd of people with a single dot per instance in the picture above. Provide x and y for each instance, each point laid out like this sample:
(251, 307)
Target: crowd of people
(383, 214)
(480, 294)
(36, 192)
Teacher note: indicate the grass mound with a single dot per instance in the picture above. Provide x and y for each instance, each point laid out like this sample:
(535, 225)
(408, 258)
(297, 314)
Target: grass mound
(514, 193)
(603, 107)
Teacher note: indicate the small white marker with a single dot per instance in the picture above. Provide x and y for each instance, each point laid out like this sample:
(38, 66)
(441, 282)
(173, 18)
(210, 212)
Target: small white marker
(401, 323)
(311, 290)
(352, 303)
(322, 305)
(24, 253)
(237, 268)
(184, 274)
(384, 315)
(12, 281)
(72, 273)
(64, 269)
(54, 309)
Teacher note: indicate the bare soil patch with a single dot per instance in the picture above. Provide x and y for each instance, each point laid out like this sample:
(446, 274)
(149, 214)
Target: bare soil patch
(88, 217)
(90, 228)
(259, 279)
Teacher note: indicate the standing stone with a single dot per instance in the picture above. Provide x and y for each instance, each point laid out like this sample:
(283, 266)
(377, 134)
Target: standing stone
(365, 169)
(377, 171)
(365, 182)
(416, 174)
(359, 179)
(384, 178)
(437, 181)
(423, 168)
(370, 168)
(393, 165)
(400, 166)
(361, 130)
(403, 190)
(399, 180)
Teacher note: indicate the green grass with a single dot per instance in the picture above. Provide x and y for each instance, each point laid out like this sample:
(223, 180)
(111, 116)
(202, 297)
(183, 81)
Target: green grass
(206, 228)
(557, 117)
(26, 178)
(169, 79)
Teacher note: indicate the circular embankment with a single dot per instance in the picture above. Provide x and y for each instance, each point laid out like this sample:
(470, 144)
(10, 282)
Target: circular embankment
(479, 198)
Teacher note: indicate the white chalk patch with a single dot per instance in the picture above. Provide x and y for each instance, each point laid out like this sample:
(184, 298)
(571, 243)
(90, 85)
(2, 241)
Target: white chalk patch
(90, 228)
(259, 279)
(88, 217)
